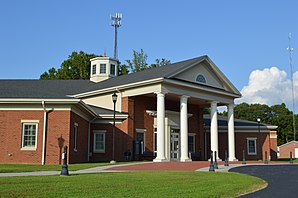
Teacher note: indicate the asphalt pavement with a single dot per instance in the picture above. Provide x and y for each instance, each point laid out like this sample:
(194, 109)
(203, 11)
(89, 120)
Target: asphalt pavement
(282, 179)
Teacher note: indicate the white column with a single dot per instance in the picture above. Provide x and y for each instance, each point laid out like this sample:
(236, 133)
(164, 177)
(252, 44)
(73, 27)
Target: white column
(214, 128)
(160, 128)
(183, 130)
(231, 133)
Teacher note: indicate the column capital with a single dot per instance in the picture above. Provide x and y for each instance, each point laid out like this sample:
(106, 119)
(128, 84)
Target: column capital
(160, 92)
(213, 102)
(231, 106)
(184, 98)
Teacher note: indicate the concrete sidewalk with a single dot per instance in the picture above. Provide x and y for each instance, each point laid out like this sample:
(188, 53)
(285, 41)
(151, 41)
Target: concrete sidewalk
(98, 169)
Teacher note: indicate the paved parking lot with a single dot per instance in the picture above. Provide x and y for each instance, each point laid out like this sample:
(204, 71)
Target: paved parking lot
(282, 179)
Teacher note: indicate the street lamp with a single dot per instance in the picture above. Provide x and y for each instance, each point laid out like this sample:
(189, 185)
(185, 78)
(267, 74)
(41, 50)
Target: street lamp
(259, 139)
(114, 98)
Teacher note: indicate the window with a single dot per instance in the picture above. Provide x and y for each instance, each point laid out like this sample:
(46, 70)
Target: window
(112, 72)
(140, 141)
(155, 140)
(75, 136)
(251, 146)
(201, 79)
(102, 69)
(191, 143)
(29, 135)
(93, 69)
(99, 141)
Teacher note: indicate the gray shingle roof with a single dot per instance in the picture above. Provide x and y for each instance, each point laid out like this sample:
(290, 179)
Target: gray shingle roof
(103, 111)
(42, 89)
(62, 89)
(159, 72)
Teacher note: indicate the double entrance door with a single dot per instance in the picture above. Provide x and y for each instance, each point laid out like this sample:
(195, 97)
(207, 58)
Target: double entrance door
(175, 144)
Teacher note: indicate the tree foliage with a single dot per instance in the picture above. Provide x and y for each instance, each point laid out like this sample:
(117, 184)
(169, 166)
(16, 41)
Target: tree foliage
(139, 62)
(278, 115)
(77, 66)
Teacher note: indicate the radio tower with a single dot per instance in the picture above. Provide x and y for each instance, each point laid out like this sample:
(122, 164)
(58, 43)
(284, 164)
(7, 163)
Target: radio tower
(290, 49)
(116, 22)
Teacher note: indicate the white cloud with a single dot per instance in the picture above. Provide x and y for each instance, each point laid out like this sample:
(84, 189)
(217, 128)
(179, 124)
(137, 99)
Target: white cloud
(269, 86)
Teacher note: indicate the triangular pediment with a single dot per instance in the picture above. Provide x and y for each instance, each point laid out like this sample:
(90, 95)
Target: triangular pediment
(205, 73)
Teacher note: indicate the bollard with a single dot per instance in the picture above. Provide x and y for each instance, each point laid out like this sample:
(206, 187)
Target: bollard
(226, 158)
(64, 171)
(266, 160)
(211, 167)
(291, 159)
(215, 160)
(243, 159)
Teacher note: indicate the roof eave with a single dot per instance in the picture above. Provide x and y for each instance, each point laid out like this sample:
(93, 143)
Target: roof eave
(118, 88)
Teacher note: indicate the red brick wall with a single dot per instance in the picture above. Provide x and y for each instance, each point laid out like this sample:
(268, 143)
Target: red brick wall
(11, 136)
(285, 150)
(58, 127)
(81, 153)
(241, 144)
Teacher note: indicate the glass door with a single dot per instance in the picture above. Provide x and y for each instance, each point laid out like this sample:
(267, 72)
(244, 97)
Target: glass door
(175, 144)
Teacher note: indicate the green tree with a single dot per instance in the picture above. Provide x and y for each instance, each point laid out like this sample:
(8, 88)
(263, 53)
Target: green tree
(160, 62)
(278, 115)
(50, 75)
(77, 66)
(139, 61)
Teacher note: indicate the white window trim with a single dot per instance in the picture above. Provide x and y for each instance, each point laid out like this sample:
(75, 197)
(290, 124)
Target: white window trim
(95, 132)
(29, 148)
(104, 69)
(75, 136)
(94, 66)
(114, 70)
(251, 139)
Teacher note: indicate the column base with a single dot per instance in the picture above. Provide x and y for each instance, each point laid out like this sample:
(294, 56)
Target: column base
(185, 160)
(160, 160)
(233, 160)
(218, 159)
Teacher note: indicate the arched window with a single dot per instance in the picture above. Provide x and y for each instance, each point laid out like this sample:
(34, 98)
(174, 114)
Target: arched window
(201, 79)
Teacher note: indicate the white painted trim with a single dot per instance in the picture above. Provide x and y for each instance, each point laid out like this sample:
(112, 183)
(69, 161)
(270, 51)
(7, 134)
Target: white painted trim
(27, 148)
(119, 88)
(30, 121)
(255, 140)
(31, 100)
(103, 132)
(201, 88)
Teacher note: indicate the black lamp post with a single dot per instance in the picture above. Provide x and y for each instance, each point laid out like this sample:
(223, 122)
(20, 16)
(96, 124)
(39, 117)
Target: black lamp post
(259, 139)
(114, 98)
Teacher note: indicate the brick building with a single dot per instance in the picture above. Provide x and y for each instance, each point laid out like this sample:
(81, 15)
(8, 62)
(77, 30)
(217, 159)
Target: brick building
(159, 115)
(285, 150)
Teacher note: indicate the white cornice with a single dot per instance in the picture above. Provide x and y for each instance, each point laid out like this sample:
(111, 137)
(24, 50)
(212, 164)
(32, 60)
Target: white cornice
(203, 88)
(31, 100)
(118, 88)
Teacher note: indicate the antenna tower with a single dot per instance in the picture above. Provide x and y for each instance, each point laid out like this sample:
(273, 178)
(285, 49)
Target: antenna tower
(116, 22)
(290, 49)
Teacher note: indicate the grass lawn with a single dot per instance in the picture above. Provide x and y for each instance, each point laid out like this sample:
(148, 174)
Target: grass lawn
(132, 184)
(14, 168)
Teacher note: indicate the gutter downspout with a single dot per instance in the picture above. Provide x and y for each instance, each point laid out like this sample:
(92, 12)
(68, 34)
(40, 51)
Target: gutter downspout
(44, 132)
(89, 132)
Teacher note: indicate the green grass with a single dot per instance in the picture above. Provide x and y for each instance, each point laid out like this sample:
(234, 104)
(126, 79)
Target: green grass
(132, 184)
(286, 160)
(14, 168)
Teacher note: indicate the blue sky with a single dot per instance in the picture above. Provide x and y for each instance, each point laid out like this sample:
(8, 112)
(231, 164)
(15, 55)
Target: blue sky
(239, 36)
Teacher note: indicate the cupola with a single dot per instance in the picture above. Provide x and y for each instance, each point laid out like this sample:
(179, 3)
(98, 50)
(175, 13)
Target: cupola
(103, 68)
